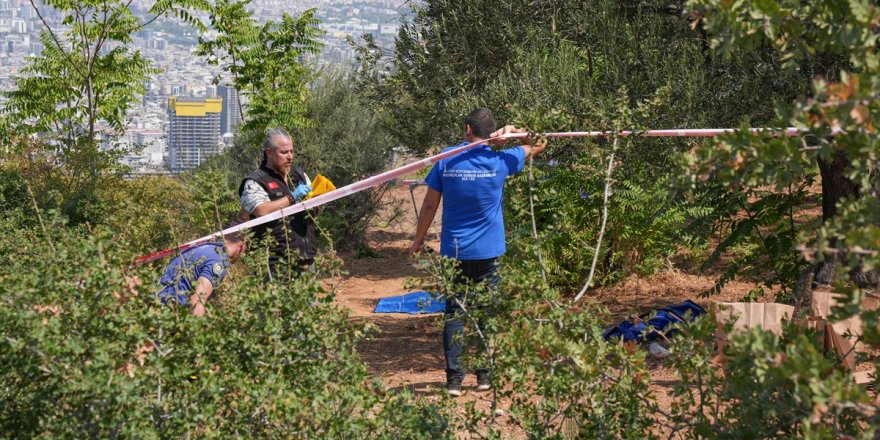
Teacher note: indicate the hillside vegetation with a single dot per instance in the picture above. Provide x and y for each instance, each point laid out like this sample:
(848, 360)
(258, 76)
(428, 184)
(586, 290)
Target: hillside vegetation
(87, 350)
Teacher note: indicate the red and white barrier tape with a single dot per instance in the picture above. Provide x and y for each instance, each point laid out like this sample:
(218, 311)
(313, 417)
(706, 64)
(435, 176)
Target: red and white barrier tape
(415, 166)
(699, 132)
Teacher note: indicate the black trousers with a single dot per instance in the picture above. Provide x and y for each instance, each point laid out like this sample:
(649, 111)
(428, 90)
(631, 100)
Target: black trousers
(475, 271)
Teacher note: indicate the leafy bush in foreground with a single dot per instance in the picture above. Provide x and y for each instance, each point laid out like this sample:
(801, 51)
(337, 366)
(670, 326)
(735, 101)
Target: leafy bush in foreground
(86, 350)
(765, 386)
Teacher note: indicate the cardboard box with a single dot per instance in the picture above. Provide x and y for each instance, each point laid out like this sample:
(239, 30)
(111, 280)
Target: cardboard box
(821, 303)
(767, 316)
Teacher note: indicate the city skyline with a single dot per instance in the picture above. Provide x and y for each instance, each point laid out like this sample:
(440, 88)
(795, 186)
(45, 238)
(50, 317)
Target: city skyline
(169, 46)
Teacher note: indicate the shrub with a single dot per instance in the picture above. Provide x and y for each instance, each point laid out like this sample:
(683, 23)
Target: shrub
(347, 144)
(647, 223)
(769, 387)
(87, 350)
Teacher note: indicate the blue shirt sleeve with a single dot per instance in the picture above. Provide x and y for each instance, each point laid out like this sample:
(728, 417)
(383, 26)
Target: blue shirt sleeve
(433, 179)
(212, 269)
(514, 158)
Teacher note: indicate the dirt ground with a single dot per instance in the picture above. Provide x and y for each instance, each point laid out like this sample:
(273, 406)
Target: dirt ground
(407, 351)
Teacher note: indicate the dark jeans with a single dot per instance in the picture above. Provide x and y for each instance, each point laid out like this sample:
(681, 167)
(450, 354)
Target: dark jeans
(453, 344)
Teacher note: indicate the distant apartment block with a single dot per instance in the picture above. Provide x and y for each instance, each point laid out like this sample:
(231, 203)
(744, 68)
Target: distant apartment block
(193, 131)
(37, 49)
(230, 117)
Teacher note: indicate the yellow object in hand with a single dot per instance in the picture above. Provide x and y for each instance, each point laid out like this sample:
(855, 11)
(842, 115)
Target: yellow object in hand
(320, 185)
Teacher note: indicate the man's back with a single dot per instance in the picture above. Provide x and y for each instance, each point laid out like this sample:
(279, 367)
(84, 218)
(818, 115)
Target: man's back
(472, 184)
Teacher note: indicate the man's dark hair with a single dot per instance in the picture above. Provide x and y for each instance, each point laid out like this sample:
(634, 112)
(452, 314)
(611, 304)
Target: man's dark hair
(482, 122)
(235, 237)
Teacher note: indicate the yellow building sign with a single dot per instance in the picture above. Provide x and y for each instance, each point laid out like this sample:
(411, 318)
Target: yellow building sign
(199, 107)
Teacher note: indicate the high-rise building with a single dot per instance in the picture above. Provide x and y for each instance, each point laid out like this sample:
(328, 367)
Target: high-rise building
(36, 49)
(193, 131)
(230, 117)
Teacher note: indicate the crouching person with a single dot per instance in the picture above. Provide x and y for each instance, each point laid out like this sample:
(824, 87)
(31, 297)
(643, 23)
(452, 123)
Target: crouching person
(190, 278)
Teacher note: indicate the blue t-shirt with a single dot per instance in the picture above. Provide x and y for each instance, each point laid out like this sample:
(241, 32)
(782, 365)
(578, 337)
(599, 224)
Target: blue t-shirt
(472, 184)
(208, 260)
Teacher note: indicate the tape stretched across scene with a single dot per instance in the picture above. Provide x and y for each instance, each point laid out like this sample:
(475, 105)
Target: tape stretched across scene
(388, 176)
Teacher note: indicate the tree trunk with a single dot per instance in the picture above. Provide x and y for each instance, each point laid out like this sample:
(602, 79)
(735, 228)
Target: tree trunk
(836, 186)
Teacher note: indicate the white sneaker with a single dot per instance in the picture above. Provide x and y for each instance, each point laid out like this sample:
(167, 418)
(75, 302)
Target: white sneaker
(453, 389)
(483, 383)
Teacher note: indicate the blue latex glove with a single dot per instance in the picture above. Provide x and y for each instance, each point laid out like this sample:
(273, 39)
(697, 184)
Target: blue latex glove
(301, 191)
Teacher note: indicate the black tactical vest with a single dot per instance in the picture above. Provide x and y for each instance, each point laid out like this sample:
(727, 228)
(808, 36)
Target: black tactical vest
(292, 232)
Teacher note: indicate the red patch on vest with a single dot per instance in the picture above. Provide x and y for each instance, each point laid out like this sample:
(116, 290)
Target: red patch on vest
(273, 185)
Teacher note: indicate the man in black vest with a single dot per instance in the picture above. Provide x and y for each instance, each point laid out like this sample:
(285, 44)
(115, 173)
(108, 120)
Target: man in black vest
(278, 184)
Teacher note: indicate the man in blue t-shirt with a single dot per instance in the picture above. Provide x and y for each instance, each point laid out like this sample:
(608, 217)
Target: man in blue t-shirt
(471, 187)
(191, 277)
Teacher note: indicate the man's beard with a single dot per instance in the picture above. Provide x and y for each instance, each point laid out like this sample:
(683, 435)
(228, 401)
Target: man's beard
(282, 168)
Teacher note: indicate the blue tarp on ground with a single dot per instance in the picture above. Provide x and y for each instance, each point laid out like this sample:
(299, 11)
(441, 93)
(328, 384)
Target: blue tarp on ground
(412, 303)
(663, 319)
